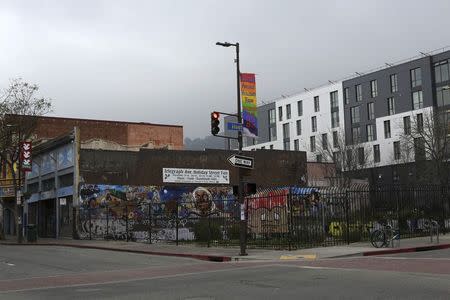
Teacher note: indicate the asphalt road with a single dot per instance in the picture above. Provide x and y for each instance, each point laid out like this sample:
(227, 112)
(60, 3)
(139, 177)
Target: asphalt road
(69, 273)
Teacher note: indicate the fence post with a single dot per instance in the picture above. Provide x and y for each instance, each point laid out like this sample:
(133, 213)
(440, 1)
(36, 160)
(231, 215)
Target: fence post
(289, 213)
(209, 231)
(90, 224)
(126, 220)
(107, 221)
(444, 230)
(347, 221)
(176, 222)
(398, 193)
(150, 222)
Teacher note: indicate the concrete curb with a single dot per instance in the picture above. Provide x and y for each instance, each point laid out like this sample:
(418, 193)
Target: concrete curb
(405, 250)
(206, 257)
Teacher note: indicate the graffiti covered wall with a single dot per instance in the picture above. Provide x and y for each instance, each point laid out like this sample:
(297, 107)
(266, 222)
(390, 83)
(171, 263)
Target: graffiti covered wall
(151, 213)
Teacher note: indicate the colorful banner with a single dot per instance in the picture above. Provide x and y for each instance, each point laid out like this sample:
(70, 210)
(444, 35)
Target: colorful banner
(249, 107)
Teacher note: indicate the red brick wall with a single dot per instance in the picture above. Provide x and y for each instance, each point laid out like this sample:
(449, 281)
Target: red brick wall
(123, 133)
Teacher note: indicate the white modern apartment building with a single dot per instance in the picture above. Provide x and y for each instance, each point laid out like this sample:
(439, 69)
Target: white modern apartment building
(307, 120)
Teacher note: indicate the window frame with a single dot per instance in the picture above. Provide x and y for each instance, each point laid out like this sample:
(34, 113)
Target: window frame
(391, 106)
(393, 78)
(312, 143)
(416, 77)
(373, 88)
(376, 153)
(313, 124)
(358, 92)
(387, 129)
(316, 104)
(300, 108)
(419, 103)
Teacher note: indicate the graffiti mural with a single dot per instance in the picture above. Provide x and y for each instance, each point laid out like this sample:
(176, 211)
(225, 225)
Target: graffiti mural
(153, 214)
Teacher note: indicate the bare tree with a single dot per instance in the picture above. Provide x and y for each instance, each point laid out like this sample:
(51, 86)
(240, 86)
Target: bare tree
(19, 109)
(347, 158)
(428, 140)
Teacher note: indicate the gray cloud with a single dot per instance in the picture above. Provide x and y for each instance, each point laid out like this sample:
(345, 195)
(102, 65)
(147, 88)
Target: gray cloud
(155, 61)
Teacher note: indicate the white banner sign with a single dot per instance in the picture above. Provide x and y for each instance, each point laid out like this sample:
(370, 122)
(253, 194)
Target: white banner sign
(176, 175)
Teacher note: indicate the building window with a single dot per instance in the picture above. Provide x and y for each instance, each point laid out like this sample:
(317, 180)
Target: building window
(300, 108)
(335, 139)
(394, 83)
(312, 141)
(280, 113)
(296, 145)
(314, 124)
(286, 133)
(288, 111)
(334, 119)
(417, 100)
(355, 115)
(407, 125)
(376, 153)
(441, 71)
(419, 149)
(286, 137)
(371, 136)
(356, 135)
(272, 118)
(361, 157)
(387, 129)
(443, 96)
(272, 133)
(263, 147)
(391, 106)
(373, 88)
(396, 150)
(334, 100)
(358, 90)
(419, 122)
(416, 77)
(299, 127)
(346, 95)
(371, 111)
(324, 141)
(319, 158)
(316, 104)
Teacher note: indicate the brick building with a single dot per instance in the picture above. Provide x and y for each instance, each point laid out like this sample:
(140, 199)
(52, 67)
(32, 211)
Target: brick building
(94, 134)
(123, 133)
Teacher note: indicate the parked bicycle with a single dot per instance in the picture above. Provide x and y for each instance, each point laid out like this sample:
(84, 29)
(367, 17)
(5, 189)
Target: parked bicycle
(383, 237)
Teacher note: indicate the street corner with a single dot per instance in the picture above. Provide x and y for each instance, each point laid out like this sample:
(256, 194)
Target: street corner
(298, 256)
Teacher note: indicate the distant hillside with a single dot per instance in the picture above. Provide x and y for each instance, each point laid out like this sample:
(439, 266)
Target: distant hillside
(210, 142)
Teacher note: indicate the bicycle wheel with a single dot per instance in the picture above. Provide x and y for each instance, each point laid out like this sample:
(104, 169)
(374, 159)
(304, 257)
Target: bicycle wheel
(378, 239)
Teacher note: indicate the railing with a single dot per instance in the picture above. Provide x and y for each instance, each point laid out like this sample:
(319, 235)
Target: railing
(284, 218)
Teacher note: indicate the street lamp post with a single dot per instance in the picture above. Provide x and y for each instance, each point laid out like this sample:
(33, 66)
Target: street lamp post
(243, 222)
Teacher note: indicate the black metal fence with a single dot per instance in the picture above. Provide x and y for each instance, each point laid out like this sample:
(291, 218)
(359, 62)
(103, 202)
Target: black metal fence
(285, 218)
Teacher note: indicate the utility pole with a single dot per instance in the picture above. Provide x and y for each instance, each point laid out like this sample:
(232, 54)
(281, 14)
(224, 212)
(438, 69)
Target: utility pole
(243, 221)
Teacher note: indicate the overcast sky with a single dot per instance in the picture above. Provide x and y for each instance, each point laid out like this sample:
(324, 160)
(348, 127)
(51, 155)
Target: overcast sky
(156, 61)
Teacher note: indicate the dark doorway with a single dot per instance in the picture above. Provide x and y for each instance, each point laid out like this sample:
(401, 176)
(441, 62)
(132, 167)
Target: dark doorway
(47, 218)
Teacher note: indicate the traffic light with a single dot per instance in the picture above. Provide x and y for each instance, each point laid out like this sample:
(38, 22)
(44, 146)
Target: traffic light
(215, 123)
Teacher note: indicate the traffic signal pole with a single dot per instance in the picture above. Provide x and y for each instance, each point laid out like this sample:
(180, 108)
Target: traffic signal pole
(243, 219)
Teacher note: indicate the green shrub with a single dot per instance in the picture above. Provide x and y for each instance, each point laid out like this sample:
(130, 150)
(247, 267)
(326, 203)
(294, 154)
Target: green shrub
(204, 231)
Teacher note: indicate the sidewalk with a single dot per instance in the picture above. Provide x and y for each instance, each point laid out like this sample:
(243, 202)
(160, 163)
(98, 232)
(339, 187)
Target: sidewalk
(232, 253)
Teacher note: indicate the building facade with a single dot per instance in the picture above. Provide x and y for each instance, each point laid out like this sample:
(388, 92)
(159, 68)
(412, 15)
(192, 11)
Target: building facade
(307, 121)
(380, 107)
(50, 179)
(371, 112)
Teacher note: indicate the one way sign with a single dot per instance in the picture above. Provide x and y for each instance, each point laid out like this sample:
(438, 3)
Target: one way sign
(242, 161)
